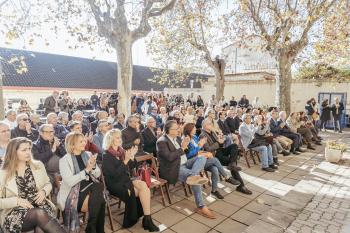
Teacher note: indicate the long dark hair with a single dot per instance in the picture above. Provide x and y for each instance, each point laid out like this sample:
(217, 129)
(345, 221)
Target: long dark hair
(188, 129)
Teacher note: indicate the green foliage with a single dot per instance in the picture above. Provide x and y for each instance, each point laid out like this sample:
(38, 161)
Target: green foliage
(323, 72)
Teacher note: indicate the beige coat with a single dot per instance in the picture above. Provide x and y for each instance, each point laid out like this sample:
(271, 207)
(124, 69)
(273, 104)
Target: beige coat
(9, 191)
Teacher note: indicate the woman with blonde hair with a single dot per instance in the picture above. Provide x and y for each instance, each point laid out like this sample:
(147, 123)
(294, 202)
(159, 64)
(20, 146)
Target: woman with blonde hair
(117, 163)
(80, 190)
(25, 187)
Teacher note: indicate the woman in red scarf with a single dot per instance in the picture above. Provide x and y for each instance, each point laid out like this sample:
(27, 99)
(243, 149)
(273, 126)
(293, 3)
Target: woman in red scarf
(117, 164)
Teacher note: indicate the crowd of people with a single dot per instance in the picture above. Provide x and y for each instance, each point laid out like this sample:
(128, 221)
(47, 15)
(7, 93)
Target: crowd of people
(67, 157)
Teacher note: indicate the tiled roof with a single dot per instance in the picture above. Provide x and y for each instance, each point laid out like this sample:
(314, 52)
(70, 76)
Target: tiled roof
(58, 71)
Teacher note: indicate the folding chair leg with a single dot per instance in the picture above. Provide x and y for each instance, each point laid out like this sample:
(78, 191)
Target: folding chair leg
(258, 156)
(252, 156)
(189, 189)
(206, 174)
(245, 155)
(185, 189)
(163, 197)
(168, 193)
(110, 216)
(119, 203)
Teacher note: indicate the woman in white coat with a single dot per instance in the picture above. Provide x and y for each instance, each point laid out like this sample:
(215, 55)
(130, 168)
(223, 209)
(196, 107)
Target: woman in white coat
(25, 187)
(80, 190)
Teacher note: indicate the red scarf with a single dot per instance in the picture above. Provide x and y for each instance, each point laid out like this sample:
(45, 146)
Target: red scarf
(119, 154)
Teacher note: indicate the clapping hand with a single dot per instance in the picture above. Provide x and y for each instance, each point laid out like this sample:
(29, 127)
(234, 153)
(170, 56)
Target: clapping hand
(89, 137)
(130, 154)
(202, 141)
(91, 163)
(185, 142)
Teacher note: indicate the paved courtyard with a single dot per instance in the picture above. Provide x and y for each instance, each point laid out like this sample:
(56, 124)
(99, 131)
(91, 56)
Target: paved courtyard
(306, 194)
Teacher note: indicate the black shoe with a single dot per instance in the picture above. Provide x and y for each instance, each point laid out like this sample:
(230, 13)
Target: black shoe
(148, 224)
(244, 190)
(296, 152)
(285, 153)
(275, 161)
(217, 195)
(318, 143)
(273, 166)
(268, 169)
(233, 181)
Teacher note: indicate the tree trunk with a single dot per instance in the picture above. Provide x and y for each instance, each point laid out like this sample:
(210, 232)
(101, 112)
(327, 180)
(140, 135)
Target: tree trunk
(220, 85)
(124, 59)
(2, 104)
(283, 84)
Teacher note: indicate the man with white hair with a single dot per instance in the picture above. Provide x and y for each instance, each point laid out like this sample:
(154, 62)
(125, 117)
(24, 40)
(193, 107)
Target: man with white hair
(11, 118)
(60, 130)
(150, 136)
(5, 136)
(24, 128)
(78, 116)
(286, 131)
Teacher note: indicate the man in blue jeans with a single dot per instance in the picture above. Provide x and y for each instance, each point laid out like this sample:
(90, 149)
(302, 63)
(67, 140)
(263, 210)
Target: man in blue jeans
(247, 131)
(173, 165)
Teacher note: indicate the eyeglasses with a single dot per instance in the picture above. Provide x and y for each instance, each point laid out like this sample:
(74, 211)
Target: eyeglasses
(48, 131)
(5, 131)
(175, 128)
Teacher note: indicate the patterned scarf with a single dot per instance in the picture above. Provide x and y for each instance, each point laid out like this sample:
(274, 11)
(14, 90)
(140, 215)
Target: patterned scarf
(71, 216)
(120, 153)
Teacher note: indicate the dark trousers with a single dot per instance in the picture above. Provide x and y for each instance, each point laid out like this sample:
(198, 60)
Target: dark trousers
(96, 208)
(227, 155)
(295, 138)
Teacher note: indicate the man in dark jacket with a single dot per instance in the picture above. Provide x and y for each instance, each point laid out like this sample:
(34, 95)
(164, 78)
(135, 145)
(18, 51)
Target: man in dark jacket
(120, 124)
(51, 104)
(174, 167)
(223, 123)
(60, 130)
(48, 150)
(24, 128)
(149, 137)
(227, 156)
(337, 110)
(131, 135)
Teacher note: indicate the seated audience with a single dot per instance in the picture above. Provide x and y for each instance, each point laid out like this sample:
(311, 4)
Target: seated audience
(24, 201)
(150, 135)
(194, 150)
(24, 128)
(80, 190)
(24, 107)
(173, 165)
(100, 115)
(298, 127)
(247, 131)
(5, 136)
(63, 119)
(48, 149)
(120, 124)
(60, 130)
(132, 134)
(117, 165)
(76, 127)
(11, 118)
(35, 121)
(97, 139)
(78, 116)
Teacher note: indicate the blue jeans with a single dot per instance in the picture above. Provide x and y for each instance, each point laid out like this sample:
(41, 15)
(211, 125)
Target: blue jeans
(192, 168)
(337, 125)
(266, 155)
(214, 166)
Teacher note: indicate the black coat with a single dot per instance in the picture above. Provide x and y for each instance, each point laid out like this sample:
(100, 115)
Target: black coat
(49, 105)
(275, 128)
(326, 113)
(169, 159)
(224, 127)
(42, 150)
(129, 135)
(340, 110)
(117, 125)
(17, 132)
(118, 182)
(149, 141)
